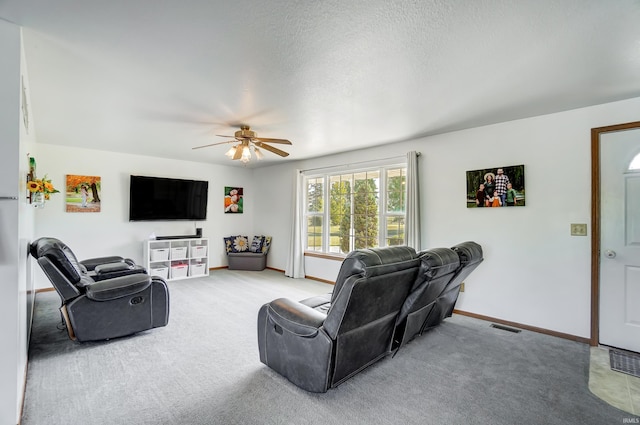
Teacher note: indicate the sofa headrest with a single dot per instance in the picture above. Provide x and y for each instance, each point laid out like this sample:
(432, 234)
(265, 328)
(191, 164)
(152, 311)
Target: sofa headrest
(469, 253)
(381, 278)
(59, 254)
(438, 262)
(377, 261)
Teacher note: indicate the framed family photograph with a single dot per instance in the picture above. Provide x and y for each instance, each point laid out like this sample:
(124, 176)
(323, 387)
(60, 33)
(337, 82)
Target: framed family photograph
(496, 187)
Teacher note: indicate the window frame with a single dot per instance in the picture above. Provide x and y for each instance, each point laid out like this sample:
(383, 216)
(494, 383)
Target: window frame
(382, 200)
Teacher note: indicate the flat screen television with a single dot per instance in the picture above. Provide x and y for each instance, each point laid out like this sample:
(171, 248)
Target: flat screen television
(158, 198)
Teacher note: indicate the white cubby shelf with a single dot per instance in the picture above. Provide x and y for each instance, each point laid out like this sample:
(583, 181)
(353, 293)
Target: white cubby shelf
(174, 259)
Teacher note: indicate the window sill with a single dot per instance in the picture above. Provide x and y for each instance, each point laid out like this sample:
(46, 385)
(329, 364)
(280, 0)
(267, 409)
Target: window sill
(326, 256)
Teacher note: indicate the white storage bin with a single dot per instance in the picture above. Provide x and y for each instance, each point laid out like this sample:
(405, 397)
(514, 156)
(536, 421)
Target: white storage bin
(179, 270)
(179, 252)
(198, 251)
(162, 272)
(196, 269)
(159, 254)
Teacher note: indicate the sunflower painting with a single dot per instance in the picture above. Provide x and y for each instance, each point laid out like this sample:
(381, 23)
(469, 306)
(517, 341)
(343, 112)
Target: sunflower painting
(83, 193)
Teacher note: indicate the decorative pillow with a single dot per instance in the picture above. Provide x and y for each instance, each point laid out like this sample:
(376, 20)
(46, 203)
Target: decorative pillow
(256, 244)
(240, 244)
(266, 244)
(236, 243)
(228, 243)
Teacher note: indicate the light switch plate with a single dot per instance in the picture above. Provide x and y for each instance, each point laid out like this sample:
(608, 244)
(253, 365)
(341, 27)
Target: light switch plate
(578, 229)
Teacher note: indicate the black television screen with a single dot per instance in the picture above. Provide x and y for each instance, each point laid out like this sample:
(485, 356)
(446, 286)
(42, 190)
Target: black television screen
(157, 198)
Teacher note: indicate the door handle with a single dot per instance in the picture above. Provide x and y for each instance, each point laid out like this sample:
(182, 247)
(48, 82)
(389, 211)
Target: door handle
(609, 253)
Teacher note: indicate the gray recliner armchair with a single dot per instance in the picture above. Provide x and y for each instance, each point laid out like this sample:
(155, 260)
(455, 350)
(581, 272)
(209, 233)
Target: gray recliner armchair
(102, 298)
(319, 348)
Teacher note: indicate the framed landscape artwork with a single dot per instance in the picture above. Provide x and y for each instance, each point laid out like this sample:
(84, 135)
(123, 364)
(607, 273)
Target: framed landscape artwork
(496, 187)
(233, 200)
(83, 193)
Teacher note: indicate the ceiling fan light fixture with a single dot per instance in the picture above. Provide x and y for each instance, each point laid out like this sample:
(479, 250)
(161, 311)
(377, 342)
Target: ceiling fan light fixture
(246, 154)
(246, 142)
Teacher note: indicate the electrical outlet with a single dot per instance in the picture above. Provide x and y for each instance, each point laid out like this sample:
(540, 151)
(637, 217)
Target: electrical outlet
(578, 229)
(462, 287)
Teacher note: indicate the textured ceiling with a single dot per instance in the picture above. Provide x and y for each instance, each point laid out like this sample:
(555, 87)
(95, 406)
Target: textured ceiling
(160, 77)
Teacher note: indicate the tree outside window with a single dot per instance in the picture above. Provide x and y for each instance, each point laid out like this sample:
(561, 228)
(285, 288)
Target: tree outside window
(315, 207)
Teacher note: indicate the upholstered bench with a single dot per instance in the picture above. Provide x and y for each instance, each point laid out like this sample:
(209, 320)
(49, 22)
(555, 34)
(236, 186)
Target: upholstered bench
(247, 261)
(242, 256)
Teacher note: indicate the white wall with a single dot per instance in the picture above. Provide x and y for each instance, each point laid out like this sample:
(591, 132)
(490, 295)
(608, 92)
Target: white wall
(26, 225)
(16, 227)
(110, 232)
(534, 272)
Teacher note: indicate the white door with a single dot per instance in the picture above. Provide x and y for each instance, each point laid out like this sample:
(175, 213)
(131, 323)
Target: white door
(620, 239)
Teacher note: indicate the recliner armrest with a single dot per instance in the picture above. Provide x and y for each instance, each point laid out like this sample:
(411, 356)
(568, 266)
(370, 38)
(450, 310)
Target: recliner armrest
(91, 263)
(113, 270)
(296, 318)
(118, 287)
(111, 267)
(320, 303)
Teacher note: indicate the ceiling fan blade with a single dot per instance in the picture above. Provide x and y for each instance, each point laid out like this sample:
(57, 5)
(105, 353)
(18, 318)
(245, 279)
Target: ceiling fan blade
(213, 144)
(268, 140)
(271, 149)
(238, 153)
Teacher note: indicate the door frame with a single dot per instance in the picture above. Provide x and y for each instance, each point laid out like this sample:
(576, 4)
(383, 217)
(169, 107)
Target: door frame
(595, 222)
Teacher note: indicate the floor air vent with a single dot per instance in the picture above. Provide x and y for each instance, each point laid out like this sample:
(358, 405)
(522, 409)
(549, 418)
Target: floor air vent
(505, 328)
(625, 362)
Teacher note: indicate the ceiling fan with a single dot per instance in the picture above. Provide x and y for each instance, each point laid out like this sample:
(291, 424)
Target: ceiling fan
(246, 141)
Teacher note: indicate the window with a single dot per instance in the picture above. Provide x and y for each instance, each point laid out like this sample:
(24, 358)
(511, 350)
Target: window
(635, 163)
(355, 210)
(315, 213)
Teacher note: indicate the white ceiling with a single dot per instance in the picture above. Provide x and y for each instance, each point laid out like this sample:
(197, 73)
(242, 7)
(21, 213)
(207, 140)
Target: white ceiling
(158, 77)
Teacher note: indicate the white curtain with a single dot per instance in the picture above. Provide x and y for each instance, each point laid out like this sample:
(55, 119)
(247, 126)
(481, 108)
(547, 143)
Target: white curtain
(412, 224)
(295, 260)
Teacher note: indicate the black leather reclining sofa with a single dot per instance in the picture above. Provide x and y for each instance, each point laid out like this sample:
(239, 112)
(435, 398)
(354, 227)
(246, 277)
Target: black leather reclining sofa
(382, 299)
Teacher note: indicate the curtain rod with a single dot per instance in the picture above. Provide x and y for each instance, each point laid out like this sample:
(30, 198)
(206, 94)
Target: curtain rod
(356, 163)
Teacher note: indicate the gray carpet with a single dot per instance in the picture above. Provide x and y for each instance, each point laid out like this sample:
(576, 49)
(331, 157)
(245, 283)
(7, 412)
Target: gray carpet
(203, 368)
